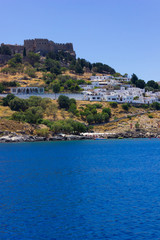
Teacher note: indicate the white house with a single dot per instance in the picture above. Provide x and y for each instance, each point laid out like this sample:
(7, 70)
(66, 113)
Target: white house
(89, 96)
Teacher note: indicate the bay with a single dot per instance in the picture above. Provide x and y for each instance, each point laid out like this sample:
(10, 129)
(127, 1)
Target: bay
(107, 189)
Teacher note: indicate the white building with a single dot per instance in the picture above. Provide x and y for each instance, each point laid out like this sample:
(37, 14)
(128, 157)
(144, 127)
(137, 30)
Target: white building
(27, 90)
(91, 96)
(101, 78)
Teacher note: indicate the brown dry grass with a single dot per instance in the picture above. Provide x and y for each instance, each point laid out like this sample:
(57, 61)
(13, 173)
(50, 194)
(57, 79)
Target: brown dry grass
(13, 126)
(18, 77)
(5, 112)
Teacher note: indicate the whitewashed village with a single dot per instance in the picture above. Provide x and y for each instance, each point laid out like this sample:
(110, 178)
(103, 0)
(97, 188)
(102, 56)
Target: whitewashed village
(71, 96)
(126, 93)
(101, 88)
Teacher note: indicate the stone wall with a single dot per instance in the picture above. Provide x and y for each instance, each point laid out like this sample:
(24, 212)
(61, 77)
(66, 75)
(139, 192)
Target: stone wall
(14, 48)
(42, 46)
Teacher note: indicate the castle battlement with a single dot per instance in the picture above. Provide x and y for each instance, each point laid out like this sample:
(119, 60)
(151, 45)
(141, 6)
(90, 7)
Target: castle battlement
(42, 46)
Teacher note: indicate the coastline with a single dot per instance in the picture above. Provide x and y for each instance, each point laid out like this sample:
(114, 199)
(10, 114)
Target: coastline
(12, 137)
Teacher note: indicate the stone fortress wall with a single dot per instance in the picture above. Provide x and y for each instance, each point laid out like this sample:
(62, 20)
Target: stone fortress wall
(14, 48)
(41, 46)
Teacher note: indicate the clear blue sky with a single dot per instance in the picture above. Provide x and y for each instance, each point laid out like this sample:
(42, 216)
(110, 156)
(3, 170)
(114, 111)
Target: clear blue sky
(124, 34)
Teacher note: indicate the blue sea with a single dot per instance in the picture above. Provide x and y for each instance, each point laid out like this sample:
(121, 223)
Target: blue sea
(107, 189)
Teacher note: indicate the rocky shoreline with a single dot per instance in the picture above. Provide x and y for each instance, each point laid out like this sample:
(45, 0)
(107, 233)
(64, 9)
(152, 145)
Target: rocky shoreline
(14, 137)
(8, 137)
(134, 134)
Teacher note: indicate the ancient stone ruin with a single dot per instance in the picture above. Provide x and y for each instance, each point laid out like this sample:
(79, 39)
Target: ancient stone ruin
(41, 46)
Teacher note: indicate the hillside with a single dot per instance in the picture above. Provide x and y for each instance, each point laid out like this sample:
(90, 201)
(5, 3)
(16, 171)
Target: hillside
(62, 72)
(120, 121)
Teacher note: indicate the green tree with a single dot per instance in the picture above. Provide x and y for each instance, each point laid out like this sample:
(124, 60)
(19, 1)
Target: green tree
(49, 77)
(15, 61)
(72, 108)
(152, 84)
(7, 99)
(18, 104)
(78, 69)
(53, 66)
(56, 87)
(33, 58)
(24, 52)
(99, 118)
(72, 100)
(34, 101)
(140, 83)
(155, 106)
(18, 116)
(33, 115)
(134, 78)
(107, 110)
(90, 119)
(125, 106)
(106, 117)
(63, 102)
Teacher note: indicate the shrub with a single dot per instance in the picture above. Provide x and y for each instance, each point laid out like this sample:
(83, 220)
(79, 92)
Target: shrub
(107, 110)
(99, 118)
(113, 104)
(72, 108)
(68, 126)
(44, 132)
(98, 105)
(49, 77)
(106, 117)
(6, 100)
(125, 106)
(18, 116)
(94, 111)
(31, 72)
(18, 104)
(90, 119)
(72, 100)
(33, 114)
(155, 106)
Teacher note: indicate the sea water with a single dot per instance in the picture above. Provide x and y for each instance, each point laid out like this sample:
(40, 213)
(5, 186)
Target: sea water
(80, 190)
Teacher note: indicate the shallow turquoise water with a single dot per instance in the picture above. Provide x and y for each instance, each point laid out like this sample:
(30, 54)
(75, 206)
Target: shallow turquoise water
(80, 190)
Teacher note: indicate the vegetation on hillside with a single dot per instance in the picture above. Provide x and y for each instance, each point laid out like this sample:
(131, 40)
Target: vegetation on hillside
(35, 109)
(149, 86)
(53, 66)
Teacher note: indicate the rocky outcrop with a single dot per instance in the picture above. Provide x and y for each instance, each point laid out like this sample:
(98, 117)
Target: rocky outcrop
(14, 137)
(7, 136)
(135, 134)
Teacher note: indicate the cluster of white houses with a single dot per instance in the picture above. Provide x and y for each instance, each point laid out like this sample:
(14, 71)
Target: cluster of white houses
(98, 90)
(126, 93)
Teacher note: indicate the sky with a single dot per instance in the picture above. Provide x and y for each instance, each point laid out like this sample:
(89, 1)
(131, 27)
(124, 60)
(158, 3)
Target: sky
(125, 34)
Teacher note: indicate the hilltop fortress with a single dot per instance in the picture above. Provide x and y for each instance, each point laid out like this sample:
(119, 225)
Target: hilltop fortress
(41, 46)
